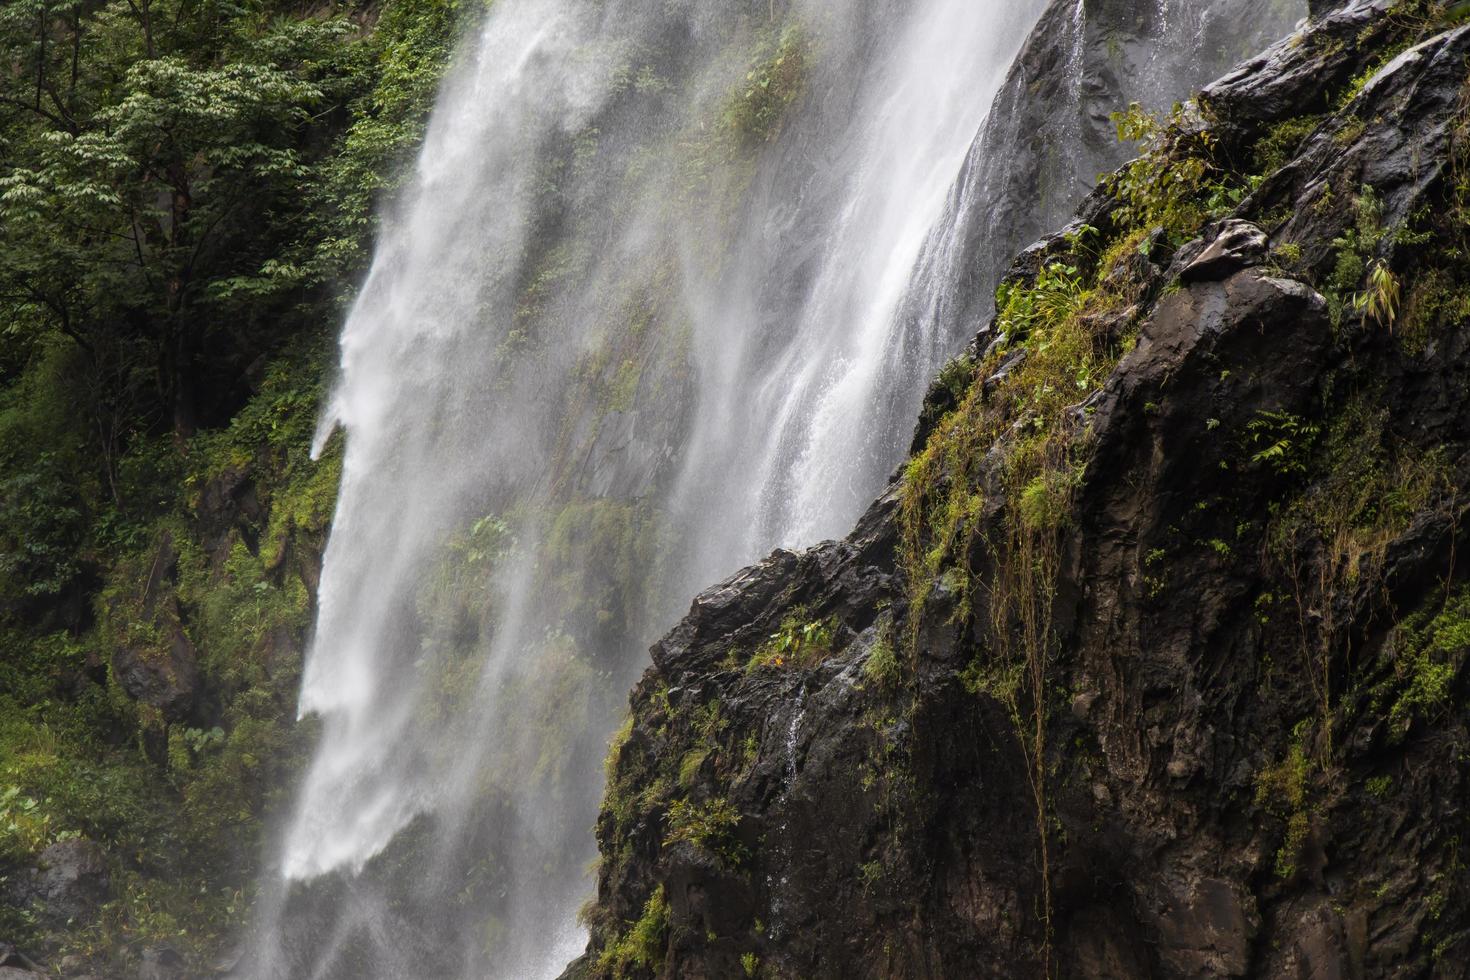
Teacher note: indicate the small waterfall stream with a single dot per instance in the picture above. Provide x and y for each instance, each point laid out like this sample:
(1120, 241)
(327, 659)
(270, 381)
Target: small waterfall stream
(664, 293)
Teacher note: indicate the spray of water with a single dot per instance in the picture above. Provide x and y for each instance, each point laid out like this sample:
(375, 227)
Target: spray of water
(663, 294)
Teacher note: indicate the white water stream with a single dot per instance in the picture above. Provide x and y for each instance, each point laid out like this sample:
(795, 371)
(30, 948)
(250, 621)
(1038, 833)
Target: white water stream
(617, 341)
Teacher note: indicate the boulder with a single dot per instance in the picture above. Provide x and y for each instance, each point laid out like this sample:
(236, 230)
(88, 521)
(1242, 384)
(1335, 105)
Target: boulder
(13, 959)
(69, 883)
(161, 963)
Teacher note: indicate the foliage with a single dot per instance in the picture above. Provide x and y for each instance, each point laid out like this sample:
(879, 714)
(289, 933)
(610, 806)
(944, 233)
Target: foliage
(882, 666)
(1380, 301)
(186, 194)
(1281, 441)
(643, 946)
(991, 492)
(708, 826)
(800, 642)
(775, 81)
(1276, 149)
(1282, 790)
(1429, 650)
(1013, 436)
(1175, 184)
(1356, 492)
(1355, 247)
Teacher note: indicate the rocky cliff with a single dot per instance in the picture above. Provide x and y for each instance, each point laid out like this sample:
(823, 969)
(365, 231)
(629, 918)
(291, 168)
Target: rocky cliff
(1084, 60)
(1151, 660)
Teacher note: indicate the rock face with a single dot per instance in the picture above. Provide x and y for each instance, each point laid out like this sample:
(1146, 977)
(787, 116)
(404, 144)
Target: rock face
(68, 885)
(1086, 60)
(1185, 697)
(73, 879)
(15, 965)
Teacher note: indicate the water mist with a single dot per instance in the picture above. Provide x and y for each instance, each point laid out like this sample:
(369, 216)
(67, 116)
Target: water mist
(664, 293)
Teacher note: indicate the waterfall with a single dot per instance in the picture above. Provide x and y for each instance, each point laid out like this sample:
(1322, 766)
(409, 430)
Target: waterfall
(663, 294)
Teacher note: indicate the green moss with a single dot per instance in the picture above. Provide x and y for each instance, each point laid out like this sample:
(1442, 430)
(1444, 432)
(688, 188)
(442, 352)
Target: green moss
(800, 642)
(1360, 489)
(776, 79)
(615, 747)
(689, 766)
(882, 666)
(1436, 298)
(624, 386)
(598, 558)
(1282, 790)
(997, 476)
(1274, 150)
(643, 946)
(1045, 501)
(1429, 652)
(709, 826)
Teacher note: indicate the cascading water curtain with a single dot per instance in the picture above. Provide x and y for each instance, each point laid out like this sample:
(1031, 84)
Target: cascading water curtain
(647, 310)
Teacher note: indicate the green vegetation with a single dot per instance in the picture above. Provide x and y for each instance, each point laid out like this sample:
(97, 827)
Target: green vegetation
(1429, 652)
(187, 193)
(776, 79)
(1355, 248)
(1280, 144)
(176, 801)
(1016, 440)
(800, 642)
(1281, 441)
(987, 504)
(1358, 491)
(1282, 790)
(882, 666)
(708, 826)
(642, 946)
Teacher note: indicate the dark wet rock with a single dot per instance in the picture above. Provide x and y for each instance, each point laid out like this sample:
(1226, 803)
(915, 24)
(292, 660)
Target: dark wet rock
(1299, 74)
(862, 807)
(1237, 244)
(13, 959)
(229, 501)
(166, 678)
(67, 887)
(74, 878)
(1082, 63)
(161, 963)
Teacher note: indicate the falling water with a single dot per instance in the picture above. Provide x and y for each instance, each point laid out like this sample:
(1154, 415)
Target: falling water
(662, 295)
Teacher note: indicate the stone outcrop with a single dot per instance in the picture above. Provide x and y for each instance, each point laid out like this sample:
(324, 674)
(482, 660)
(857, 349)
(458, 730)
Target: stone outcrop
(65, 889)
(1084, 61)
(1222, 734)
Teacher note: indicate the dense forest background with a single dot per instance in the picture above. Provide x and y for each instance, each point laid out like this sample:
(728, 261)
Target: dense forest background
(188, 193)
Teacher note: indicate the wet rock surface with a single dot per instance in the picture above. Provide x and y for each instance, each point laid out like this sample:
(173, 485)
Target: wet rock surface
(1084, 62)
(73, 879)
(1254, 735)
